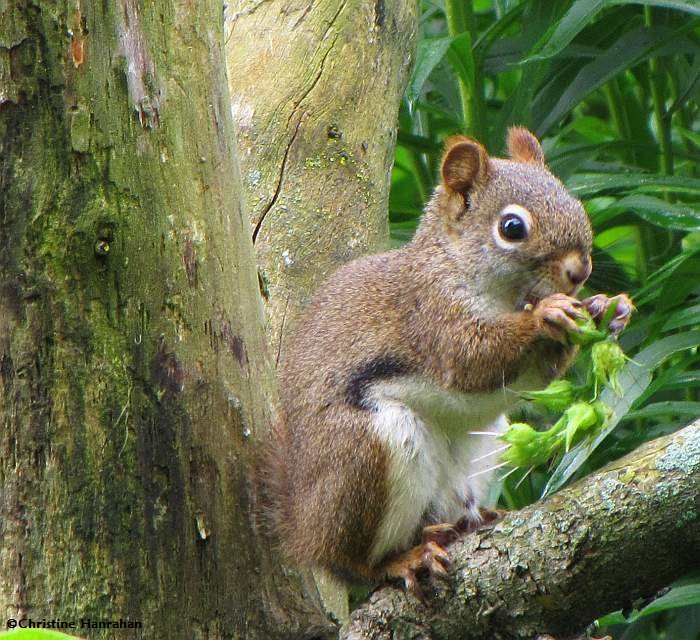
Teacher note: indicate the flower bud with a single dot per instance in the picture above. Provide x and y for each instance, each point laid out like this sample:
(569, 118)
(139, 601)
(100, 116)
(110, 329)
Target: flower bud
(607, 359)
(588, 332)
(519, 434)
(556, 397)
(528, 447)
(603, 412)
(579, 417)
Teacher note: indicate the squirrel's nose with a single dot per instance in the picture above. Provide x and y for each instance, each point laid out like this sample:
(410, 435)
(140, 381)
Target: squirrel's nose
(576, 268)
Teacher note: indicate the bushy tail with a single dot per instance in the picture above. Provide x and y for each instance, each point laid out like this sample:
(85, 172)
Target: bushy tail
(273, 485)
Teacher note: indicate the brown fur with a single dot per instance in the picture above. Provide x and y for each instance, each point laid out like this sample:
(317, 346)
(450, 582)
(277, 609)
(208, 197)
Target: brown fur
(464, 164)
(417, 309)
(523, 146)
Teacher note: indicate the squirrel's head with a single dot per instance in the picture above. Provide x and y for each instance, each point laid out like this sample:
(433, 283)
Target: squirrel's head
(511, 223)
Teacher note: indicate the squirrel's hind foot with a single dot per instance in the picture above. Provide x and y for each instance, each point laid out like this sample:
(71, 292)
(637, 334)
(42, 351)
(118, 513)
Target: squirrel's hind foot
(490, 517)
(428, 558)
(443, 534)
(487, 518)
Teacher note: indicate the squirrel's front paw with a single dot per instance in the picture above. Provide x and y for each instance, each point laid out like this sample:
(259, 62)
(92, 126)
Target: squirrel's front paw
(599, 304)
(557, 315)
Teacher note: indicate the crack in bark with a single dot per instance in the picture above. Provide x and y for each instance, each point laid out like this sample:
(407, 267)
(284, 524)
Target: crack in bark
(314, 82)
(145, 91)
(295, 109)
(301, 18)
(279, 183)
(247, 11)
(333, 19)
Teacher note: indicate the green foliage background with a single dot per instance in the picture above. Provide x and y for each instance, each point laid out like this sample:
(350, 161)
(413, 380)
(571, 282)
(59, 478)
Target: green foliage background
(612, 88)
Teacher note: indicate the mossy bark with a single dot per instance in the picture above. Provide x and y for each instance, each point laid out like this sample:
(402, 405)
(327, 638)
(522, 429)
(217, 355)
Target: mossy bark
(619, 535)
(133, 366)
(315, 89)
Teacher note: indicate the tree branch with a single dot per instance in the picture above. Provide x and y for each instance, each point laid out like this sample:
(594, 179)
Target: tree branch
(595, 547)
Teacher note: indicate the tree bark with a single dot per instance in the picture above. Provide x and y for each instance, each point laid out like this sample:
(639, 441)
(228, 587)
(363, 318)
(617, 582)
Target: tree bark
(315, 89)
(597, 546)
(133, 367)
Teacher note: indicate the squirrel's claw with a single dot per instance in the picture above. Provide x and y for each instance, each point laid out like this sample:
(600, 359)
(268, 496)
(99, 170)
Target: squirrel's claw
(429, 557)
(557, 314)
(410, 584)
(435, 559)
(599, 304)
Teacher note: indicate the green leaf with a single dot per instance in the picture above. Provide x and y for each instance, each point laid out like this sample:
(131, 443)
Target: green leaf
(652, 287)
(683, 318)
(690, 135)
(417, 143)
(691, 6)
(681, 596)
(588, 185)
(634, 379)
(572, 23)
(494, 32)
(580, 15)
(430, 52)
(611, 619)
(655, 211)
(536, 19)
(668, 407)
(461, 58)
(627, 51)
(683, 380)
(662, 213)
(689, 85)
(684, 593)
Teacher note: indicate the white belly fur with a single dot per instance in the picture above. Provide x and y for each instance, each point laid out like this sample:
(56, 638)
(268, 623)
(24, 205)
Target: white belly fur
(431, 452)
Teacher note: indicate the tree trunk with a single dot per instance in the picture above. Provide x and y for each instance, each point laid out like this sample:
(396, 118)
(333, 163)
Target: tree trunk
(315, 88)
(315, 91)
(595, 547)
(132, 349)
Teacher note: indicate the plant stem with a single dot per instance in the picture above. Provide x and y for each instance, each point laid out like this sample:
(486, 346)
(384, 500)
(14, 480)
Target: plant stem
(681, 112)
(662, 124)
(618, 112)
(658, 244)
(460, 19)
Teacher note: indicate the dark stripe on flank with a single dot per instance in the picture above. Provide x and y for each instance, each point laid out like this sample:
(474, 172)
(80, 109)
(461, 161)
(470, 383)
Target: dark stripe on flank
(378, 369)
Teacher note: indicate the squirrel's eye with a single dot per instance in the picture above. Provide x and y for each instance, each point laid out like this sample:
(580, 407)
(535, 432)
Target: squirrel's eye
(512, 227)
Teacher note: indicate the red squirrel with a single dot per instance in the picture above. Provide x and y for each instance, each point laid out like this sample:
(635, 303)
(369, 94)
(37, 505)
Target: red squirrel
(400, 355)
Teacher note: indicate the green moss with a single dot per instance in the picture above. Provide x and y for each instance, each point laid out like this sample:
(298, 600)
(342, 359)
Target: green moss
(687, 517)
(80, 130)
(13, 27)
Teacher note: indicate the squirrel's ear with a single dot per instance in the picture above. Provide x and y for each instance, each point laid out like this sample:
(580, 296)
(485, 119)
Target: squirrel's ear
(465, 164)
(523, 146)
